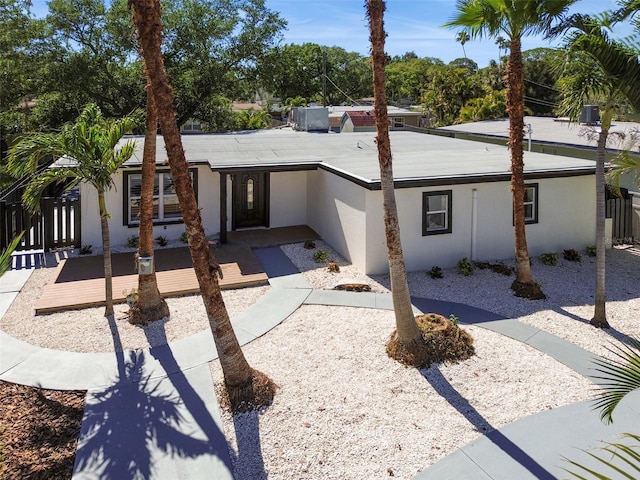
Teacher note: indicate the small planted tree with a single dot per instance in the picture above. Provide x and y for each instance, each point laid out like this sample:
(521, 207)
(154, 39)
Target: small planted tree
(91, 153)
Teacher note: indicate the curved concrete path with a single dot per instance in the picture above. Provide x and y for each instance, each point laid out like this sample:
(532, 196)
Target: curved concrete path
(170, 387)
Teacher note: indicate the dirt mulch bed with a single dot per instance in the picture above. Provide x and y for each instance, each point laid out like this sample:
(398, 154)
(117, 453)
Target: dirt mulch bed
(38, 432)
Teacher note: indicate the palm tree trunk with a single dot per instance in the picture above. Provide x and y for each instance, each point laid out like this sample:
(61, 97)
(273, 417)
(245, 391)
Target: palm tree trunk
(106, 252)
(524, 284)
(247, 388)
(407, 329)
(149, 305)
(600, 315)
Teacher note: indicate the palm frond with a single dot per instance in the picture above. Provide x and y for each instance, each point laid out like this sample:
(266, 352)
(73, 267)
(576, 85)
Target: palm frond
(619, 375)
(623, 164)
(628, 455)
(5, 256)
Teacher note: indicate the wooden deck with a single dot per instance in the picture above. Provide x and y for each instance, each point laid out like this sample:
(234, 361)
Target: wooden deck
(79, 281)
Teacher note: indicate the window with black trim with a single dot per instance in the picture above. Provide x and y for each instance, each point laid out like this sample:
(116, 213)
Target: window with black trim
(166, 208)
(531, 203)
(436, 212)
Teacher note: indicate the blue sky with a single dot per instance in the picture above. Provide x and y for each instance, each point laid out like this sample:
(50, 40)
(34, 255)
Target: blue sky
(412, 25)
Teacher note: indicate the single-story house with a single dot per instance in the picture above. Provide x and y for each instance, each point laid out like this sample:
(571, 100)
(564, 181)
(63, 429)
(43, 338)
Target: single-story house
(453, 195)
(399, 118)
(358, 121)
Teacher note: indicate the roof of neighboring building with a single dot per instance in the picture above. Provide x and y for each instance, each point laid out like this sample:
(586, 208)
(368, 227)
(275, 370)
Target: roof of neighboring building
(362, 119)
(547, 129)
(419, 159)
(339, 110)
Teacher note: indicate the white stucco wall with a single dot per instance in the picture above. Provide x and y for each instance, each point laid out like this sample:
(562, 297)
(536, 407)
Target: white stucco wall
(336, 211)
(288, 199)
(208, 200)
(566, 215)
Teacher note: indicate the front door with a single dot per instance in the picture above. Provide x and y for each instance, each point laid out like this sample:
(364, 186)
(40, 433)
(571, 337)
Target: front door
(250, 196)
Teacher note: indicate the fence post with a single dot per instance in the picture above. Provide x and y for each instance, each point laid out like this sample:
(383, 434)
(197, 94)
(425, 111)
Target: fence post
(46, 205)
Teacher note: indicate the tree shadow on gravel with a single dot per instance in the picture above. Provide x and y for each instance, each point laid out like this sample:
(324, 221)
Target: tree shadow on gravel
(614, 333)
(442, 386)
(128, 422)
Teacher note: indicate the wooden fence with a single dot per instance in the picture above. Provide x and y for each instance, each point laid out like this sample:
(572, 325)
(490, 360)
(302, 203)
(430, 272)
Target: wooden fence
(56, 226)
(620, 209)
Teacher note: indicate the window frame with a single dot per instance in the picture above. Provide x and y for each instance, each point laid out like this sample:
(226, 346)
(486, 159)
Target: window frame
(397, 122)
(535, 202)
(126, 197)
(448, 212)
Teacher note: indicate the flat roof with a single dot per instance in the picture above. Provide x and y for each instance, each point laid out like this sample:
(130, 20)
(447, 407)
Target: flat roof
(548, 129)
(417, 158)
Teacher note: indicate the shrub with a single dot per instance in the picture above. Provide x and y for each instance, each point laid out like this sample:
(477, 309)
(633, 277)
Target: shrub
(309, 244)
(321, 256)
(499, 267)
(435, 272)
(160, 240)
(86, 250)
(455, 320)
(5, 256)
(590, 251)
(571, 255)
(465, 267)
(549, 259)
(133, 241)
(184, 238)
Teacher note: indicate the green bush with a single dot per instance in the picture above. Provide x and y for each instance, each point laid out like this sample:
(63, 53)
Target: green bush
(133, 241)
(436, 272)
(549, 259)
(309, 244)
(571, 255)
(465, 267)
(184, 238)
(321, 256)
(86, 250)
(590, 251)
(160, 240)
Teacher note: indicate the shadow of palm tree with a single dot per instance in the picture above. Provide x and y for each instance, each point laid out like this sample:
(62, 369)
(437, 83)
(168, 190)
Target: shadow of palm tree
(131, 424)
(614, 333)
(440, 384)
(248, 463)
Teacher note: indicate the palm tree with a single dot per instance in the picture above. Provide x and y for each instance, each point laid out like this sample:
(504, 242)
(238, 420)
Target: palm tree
(503, 44)
(582, 81)
(514, 19)
(407, 332)
(462, 37)
(88, 152)
(246, 388)
(149, 304)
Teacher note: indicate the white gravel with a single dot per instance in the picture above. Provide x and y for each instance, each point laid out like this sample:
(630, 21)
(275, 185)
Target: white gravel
(344, 410)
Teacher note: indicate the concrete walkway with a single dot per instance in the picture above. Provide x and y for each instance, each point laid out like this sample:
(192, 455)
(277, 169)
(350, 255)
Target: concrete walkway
(153, 412)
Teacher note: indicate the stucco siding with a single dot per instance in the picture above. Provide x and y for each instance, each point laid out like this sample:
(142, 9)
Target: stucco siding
(336, 211)
(208, 200)
(288, 199)
(566, 213)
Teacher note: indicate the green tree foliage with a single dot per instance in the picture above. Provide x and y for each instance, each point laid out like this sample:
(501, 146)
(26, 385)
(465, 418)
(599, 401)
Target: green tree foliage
(408, 77)
(84, 51)
(540, 76)
(450, 89)
(310, 70)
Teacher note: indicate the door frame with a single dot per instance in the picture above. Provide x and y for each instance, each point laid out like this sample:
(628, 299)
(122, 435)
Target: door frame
(264, 205)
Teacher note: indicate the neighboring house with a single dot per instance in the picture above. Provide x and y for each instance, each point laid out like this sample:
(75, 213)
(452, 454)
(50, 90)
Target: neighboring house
(399, 118)
(358, 121)
(453, 196)
(552, 135)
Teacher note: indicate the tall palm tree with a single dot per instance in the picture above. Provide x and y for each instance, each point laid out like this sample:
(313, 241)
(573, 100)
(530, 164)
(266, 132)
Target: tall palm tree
(407, 331)
(149, 304)
(463, 37)
(88, 150)
(582, 81)
(514, 19)
(247, 388)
